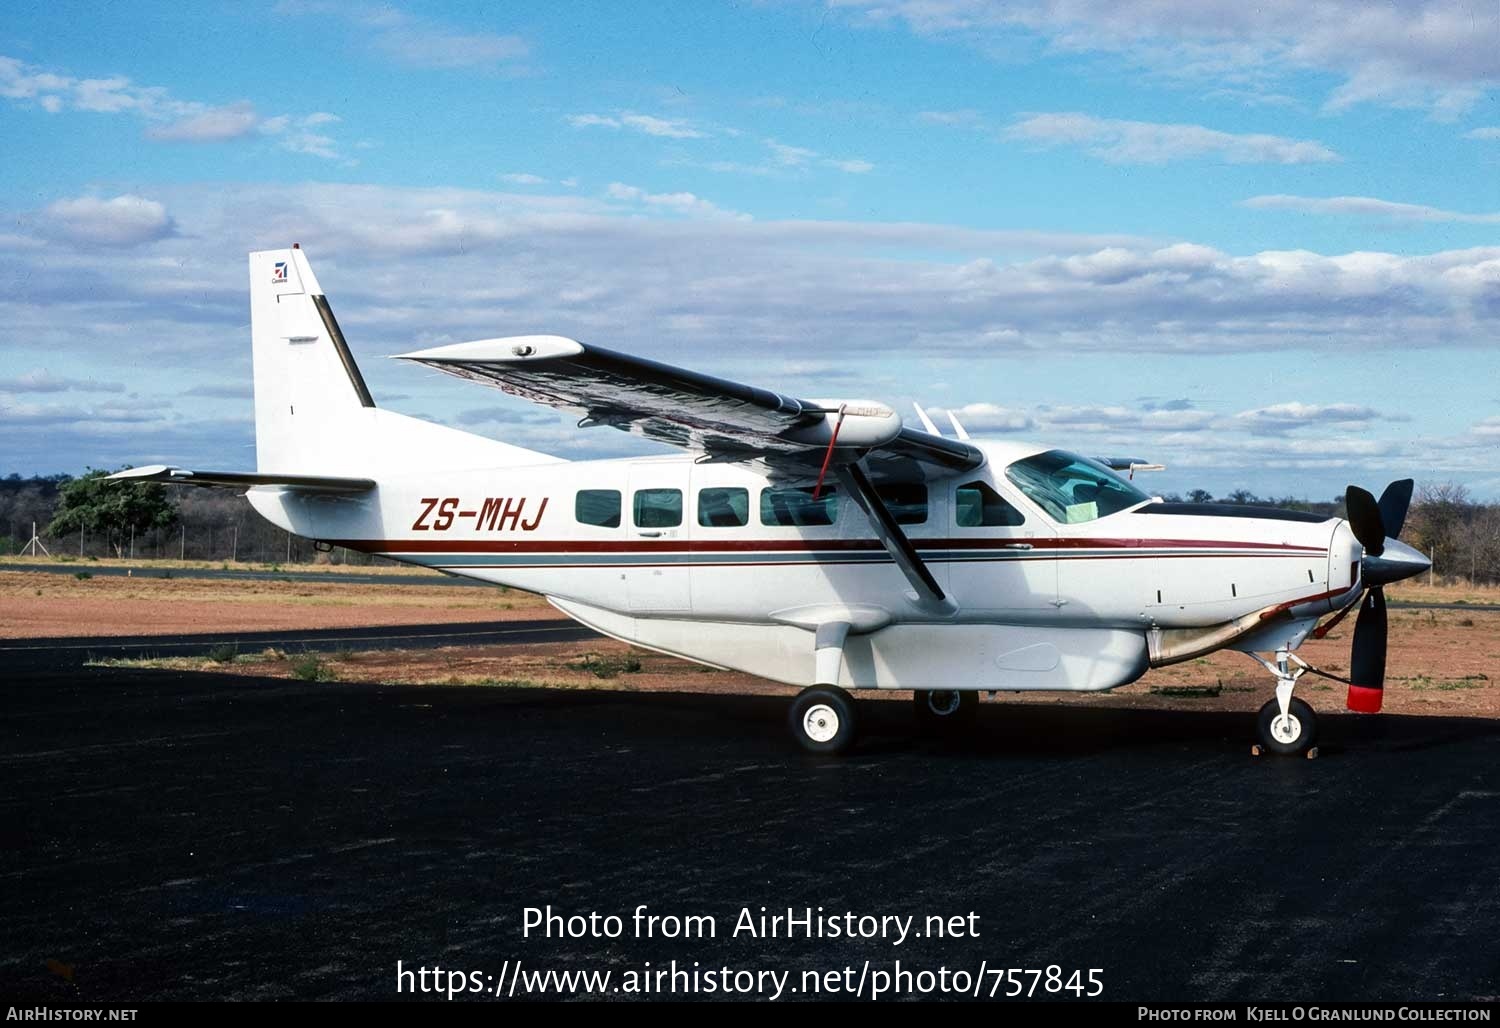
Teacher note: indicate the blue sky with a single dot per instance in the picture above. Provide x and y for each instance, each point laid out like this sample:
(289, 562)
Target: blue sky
(1259, 243)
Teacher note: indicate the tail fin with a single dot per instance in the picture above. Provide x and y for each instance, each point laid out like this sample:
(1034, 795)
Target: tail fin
(313, 412)
(306, 381)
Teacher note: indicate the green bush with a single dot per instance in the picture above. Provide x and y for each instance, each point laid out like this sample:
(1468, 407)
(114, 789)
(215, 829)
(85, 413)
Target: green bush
(311, 668)
(224, 653)
(607, 667)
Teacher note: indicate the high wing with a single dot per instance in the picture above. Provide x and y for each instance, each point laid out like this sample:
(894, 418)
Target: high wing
(719, 420)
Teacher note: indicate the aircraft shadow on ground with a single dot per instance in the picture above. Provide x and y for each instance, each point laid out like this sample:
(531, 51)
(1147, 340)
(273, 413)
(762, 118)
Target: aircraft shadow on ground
(1061, 729)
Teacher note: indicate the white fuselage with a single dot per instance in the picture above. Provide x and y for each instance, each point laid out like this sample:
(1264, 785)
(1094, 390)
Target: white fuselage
(1039, 605)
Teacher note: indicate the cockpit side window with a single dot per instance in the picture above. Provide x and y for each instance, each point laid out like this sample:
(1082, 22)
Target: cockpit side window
(1072, 489)
(976, 505)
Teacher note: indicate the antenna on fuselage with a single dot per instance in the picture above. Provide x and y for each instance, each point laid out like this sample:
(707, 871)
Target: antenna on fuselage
(957, 428)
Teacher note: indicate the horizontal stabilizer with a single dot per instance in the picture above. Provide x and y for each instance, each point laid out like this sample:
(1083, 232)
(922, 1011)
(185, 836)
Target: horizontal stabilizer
(244, 479)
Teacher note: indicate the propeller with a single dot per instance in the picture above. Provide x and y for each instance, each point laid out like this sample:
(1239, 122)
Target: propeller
(1376, 524)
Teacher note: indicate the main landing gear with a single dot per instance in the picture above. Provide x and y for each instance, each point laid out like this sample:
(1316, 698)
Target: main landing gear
(823, 718)
(945, 710)
(1286, 725)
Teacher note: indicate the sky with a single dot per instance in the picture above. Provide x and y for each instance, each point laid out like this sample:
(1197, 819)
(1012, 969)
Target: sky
(1258, 243)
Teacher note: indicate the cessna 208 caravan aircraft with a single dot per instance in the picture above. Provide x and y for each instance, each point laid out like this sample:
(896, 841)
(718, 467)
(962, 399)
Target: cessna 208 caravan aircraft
(817, 542)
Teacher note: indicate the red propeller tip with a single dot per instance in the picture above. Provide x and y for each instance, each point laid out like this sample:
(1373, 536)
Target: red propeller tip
(1364, 700)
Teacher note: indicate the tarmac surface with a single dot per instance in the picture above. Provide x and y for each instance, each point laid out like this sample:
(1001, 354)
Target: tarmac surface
(190, 836)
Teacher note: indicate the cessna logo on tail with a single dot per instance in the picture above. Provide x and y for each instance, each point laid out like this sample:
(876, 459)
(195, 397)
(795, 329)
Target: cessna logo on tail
(497, 513)
(278, 271)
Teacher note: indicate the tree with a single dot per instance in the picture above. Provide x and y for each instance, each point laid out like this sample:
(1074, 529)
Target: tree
(1200, 496)
(114, 510)
(1439, 516)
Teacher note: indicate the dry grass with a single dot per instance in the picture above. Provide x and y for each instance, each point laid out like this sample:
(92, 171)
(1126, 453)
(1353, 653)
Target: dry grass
(153, 566)
(37, 604)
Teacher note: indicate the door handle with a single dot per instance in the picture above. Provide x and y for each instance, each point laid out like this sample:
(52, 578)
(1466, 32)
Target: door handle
(657, 535)
(1016, 546)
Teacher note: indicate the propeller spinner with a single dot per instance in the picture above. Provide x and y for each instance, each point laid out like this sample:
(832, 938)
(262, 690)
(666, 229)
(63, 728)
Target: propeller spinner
(1376, 524)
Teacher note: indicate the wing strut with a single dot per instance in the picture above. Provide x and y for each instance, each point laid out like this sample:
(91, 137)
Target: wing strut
(892, 538)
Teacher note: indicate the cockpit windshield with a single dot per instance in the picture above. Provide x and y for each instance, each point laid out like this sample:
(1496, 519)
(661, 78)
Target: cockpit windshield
(1072, 489)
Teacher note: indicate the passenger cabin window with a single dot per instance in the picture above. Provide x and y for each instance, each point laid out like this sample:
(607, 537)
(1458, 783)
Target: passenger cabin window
(797, 508)
(599, 507)
(658, 508)
(907, 501)
(976, 505)
(1072, 489)
(723, 508)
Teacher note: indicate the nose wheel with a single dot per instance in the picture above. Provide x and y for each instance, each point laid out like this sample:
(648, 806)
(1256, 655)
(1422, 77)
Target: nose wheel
(1286, 725)
(1290, 733)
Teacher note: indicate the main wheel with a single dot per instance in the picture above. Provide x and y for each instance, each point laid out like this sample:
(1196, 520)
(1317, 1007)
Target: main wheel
(1294, 733)
(822, 719)
(945, 706)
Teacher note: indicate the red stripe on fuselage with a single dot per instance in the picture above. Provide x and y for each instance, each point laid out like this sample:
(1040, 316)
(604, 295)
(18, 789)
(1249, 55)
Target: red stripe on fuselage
(565, 546)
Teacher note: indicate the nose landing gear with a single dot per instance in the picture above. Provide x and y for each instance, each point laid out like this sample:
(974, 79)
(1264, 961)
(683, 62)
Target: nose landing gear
(1286, 725)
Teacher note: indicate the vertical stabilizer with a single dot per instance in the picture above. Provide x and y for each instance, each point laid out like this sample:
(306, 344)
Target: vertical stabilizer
(307, 386)
(313, 412)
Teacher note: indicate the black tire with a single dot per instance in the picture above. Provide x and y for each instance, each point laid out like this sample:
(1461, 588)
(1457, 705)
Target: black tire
(945, 708)
(822, 720)
(1304, 721)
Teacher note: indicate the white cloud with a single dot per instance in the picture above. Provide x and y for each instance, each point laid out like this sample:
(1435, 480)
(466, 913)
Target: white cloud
(853, 167)
(417, 41)
(966, 116)
(682, 203)
(522, 178)
(1366, 206)
(121, 221)
(1284, 417)
(592, 120)
(40, 380)
(1489, 428)
(784, 159)
(169, 120)
(215, 125)
(666, 128)
(1438, 54)
(1486, 133)
(985, 418)
(1143, 142)
(427, 46)
(792, 156)
(667, 279)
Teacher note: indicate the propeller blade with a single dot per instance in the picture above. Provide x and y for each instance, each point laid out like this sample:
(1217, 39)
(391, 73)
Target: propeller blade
(1365, 520)
(1393, 504)
(1367, 659)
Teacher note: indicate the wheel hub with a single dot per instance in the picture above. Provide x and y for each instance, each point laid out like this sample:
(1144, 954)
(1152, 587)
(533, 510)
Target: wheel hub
(1286, 728)
(821, 722)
